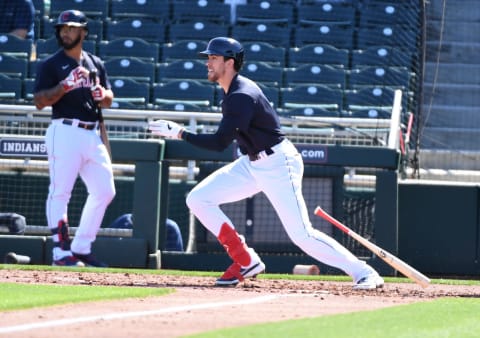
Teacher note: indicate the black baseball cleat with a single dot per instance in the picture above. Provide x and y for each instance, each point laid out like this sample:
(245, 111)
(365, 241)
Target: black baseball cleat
(90, 260)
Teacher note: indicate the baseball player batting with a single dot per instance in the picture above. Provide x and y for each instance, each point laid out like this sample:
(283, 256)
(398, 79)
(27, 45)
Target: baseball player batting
(270, 164)
(73, 143)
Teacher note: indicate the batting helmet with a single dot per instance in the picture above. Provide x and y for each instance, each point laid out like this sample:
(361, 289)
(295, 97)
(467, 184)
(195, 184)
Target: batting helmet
(73, 18)
(226, 47)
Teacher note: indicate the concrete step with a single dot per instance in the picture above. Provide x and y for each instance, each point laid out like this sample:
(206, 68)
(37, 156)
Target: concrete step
(451, 160)
(453, 52)
(451, 116)
(453, 139)
(453, 73)
(453, 30)
(459, 10)
(452, 94)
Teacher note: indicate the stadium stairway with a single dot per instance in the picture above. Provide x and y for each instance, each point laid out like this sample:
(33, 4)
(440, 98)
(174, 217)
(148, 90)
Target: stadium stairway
(451, 100)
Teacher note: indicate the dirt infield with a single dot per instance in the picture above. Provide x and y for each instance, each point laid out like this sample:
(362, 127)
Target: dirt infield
(197, 306)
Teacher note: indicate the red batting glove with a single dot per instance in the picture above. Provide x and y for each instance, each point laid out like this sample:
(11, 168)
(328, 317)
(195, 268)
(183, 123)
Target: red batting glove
(75, 79)
(98, 93)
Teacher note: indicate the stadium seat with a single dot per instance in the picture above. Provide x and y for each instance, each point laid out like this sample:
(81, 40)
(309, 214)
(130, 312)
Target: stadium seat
(197, 30)
(314, 96)
(336, 34)
(372, 112)
(182, 50)
(271, 92)
(13, 67)
(130, 67)
(182, 69)
(27, 89)
(381, 56)
(158, 10)
(91, 8)
(326, 12)
(371, 97)
(263, 72)
(262, 32)
(387, 35)
(397, 77)
(10, 89)
(388, 13)
(179, 106)
(125, 47)
(128, 90)
(265, 52)
(317, 53)
(95, 28)
(32, 68)
(265, 12)
(316, 73)
(310, 111)
(143, 28)
(39, 8)
(125, 104)
(15, 46)
(46, 47)
(184, 91)
(187, 10)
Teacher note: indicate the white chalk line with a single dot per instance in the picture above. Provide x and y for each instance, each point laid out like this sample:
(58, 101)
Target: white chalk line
(123, 315)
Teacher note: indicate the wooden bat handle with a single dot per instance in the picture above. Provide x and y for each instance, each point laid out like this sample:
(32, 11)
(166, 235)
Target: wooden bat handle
(387, 257)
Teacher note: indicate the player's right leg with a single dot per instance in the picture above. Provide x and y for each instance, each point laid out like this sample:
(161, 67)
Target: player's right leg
(228, 184)
(246, 262)
(63, 170)
(62, 256)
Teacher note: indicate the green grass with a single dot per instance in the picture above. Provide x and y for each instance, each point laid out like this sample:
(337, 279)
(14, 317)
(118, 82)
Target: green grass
(14, 296)
(339, 278)
(446, 317)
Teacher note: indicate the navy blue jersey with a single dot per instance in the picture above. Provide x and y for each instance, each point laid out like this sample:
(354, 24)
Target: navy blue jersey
(78, 103)
(248, 118)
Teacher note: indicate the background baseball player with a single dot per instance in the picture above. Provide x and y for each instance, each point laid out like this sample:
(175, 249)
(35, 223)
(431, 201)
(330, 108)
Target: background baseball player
(270, 164)
(73, 144)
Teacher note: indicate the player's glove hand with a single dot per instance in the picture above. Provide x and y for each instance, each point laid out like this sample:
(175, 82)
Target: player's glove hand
(75, 79)
(98, 92)
(166, 128)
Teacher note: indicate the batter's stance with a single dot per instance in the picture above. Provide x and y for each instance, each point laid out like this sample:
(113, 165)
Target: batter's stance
(73, 144)
(270, 163)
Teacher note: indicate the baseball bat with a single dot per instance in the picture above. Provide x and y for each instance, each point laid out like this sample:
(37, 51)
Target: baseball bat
(101, 122)
(389, 258)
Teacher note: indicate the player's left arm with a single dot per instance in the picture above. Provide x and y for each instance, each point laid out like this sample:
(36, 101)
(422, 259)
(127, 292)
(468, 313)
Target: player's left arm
(106, 97)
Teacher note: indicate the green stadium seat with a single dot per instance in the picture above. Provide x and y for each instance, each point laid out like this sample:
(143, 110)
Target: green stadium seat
(267, 12)
(313, 96)
(316, 73)
(182, 69)
(158, 10)
(15, 46)
(339, 12)
(127, 47)
(338, 35)
(182, 50)
(184, 91)
(131, 67)
(318, 53)
(91, 8)
(187, 10)
(265, 52)
(143, 28)
(398, 77)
